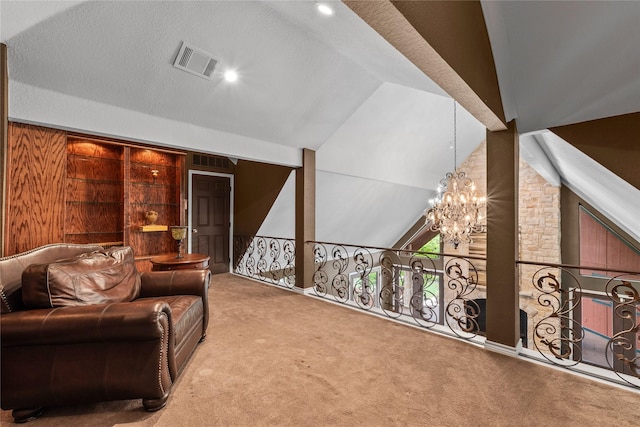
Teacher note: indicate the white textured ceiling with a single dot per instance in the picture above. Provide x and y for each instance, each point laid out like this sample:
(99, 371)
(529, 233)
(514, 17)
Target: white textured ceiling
(402, 144)
(299, 78)
(331, 84)
(304, 74)
(564, 62)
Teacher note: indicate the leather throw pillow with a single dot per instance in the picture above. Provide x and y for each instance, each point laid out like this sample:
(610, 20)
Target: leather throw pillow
(100, 277)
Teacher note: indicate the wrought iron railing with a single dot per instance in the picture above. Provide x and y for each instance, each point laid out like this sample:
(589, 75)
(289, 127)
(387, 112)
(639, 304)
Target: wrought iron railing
(432, 290)
(580, 328)
(268, 259)
(439, 291)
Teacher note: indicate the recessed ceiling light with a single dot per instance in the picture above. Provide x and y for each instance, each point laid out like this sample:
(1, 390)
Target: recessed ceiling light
(230, 76)
(324, 8)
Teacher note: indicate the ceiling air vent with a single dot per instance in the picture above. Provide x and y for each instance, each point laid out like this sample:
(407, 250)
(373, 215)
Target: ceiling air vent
(195, 61)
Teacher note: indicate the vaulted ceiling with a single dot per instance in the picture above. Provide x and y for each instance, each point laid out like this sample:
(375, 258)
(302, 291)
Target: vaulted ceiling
(355, 86)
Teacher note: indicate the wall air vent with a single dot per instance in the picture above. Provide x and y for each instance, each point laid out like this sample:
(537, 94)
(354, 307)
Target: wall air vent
(211, 161)
(195, 61)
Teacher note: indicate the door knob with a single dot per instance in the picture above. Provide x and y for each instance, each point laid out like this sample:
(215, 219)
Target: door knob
(195, 230)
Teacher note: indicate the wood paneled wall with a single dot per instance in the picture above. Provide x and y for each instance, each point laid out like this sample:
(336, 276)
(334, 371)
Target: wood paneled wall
(64, 187)
(600, 247)
(36, 162)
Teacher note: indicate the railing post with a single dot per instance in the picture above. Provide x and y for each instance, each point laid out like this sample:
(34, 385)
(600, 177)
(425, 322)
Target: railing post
(305, 218)
(503, 320)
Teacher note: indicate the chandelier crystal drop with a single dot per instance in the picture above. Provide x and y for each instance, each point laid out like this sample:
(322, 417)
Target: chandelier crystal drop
(457, 211)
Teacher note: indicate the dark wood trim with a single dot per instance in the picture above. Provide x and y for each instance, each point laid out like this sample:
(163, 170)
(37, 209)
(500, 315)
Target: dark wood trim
(116, 141)
(4, 135)
(126, 193)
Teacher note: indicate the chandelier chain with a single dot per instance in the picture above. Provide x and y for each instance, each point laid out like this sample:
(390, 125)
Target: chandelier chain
(455, 145)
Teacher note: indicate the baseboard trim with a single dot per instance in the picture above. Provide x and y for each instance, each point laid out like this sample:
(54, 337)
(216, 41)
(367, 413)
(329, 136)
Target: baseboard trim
(496, 347)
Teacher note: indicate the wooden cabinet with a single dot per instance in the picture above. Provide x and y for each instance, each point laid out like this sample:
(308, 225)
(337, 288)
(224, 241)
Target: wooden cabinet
(94, 193)
(64, 187)
(154, 184)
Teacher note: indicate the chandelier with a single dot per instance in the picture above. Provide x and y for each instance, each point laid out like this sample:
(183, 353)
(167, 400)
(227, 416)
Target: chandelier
(457, 211)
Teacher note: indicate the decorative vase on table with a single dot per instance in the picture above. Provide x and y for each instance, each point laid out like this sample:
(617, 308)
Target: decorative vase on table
(179, 232)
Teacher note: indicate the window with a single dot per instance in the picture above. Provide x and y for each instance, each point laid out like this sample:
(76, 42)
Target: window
(432, 245)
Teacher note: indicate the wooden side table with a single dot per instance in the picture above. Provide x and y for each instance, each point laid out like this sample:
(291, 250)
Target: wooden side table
(187, 262)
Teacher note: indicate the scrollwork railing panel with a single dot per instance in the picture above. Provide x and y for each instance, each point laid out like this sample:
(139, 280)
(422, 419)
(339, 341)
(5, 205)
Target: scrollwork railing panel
(320, 277)
(622, 350)
(425, 300)
(364, 289)
(391, 294)
(268, 259)
(558, 336)
(462, 311)
(596, 326)
(340, 282)
(399, 284)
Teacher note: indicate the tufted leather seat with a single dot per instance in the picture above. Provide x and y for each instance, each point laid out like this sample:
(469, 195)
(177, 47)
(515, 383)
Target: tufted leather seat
(133, 346)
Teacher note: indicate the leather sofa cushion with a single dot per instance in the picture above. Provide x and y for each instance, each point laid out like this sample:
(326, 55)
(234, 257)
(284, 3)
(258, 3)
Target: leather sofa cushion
(186, 312)
(99, 277)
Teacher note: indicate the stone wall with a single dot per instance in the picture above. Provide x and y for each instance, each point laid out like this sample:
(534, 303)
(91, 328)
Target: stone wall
(539, 208)
(539, 230)
(539, 235)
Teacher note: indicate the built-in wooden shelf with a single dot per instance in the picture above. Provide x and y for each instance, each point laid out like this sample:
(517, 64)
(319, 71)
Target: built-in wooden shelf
(153, 227)
(87, 189)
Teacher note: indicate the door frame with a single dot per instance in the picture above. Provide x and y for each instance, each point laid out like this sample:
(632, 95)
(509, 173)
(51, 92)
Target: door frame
(190, 205)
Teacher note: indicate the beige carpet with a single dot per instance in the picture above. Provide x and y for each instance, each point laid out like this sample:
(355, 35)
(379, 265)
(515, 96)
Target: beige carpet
(277, 358)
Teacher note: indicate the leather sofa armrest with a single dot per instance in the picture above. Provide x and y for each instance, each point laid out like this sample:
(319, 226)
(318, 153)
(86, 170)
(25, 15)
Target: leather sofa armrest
(175, 282)
(126, 321)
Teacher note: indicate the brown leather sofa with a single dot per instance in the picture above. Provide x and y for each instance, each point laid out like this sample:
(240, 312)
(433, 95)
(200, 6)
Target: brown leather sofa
(93, 333)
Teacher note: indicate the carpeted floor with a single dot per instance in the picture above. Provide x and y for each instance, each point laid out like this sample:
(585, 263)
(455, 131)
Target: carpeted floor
(278, 358)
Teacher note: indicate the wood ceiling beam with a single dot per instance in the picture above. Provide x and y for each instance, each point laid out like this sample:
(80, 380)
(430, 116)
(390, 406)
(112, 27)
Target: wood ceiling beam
(385, 18)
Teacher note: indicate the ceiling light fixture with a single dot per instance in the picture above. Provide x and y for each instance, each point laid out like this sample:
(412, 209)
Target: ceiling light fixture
(230, 76)
(458, 212)
(325, 9)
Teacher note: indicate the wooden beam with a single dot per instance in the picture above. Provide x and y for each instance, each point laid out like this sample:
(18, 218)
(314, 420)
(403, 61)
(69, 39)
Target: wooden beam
(392, 24)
